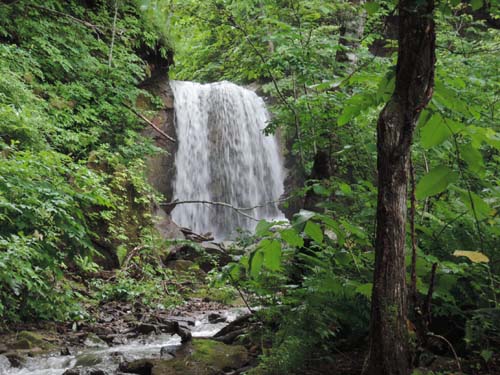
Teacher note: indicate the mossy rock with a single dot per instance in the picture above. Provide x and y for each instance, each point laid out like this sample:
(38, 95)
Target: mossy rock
(217, 354)
(200, 357)
(30, 340)
(206, 357)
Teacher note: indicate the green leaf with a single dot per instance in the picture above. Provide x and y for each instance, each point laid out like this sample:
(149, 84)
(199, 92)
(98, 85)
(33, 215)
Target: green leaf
(272, 254)
(476, 4)
(473, 158)
(262, 228)
(321, 190)
(291, 237)
(345, 189)
(372, 7)
(475, 204)
(352, 108)
(486, 355)
(256, 261)
(434, 132)
(436, 181)
(365, 289)
(121, 253)
(314, 231)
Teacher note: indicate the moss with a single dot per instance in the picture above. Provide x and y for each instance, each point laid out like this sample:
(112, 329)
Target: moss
(30, 340)
(204, 357)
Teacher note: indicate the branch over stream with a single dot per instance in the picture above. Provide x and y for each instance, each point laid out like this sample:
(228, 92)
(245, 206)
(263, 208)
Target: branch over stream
(240, 210)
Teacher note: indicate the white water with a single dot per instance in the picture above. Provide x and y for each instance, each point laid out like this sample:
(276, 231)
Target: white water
(108, 358)
(223, 156)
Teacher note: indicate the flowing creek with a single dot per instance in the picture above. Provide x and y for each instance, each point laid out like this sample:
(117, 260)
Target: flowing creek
(108, 358)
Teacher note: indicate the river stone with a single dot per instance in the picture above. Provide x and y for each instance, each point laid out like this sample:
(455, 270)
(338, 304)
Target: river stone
(140, 366)
(200, 357)
(94, 341)
(88, 359)
(146, 329)
(30, 340)
(214, 318)
(15, 359)
(83, 371)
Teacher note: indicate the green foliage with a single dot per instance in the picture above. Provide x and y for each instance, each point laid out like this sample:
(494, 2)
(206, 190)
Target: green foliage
(322, 106)
(154, 289)
(72, 181)
(314, 279)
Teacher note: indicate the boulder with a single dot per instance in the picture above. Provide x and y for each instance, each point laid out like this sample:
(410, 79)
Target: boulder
(200, 357)
(146, 329)
(140, 366)
(206, 254)
(214, 318)
(235, 326)
(88, 360)
(180, 265)
(94, 341)
(167, 227)
(15, 359)
(31, 340)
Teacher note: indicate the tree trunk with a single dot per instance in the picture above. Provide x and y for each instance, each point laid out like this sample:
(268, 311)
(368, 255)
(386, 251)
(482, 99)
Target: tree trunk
(388, 353)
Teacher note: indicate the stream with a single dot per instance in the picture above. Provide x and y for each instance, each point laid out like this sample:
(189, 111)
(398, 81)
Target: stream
(108, 358)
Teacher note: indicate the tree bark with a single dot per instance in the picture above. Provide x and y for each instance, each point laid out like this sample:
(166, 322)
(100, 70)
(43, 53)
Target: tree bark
(388, 352)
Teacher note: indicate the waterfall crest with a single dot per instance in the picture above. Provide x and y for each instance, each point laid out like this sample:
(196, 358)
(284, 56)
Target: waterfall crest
(223, 156)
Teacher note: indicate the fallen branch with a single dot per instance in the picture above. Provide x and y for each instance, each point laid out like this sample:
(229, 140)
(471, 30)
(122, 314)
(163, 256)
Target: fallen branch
(189, 234)
(457, 360)
(147, 121)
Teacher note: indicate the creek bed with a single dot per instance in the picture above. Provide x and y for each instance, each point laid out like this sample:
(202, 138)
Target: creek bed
(107, 359)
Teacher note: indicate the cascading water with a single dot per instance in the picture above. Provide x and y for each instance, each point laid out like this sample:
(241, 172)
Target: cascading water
(223, 156)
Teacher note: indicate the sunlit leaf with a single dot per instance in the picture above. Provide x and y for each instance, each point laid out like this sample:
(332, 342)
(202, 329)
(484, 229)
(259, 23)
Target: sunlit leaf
(473, 256)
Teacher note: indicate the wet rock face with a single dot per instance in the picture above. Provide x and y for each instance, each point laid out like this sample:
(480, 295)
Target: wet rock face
(161, 168)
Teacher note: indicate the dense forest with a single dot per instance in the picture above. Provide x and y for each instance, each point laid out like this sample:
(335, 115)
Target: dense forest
(386, 117)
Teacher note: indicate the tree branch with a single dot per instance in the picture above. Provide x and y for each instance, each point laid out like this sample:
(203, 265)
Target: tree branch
(96, 28)
(110, 59)
(147, 121)
(240, 210)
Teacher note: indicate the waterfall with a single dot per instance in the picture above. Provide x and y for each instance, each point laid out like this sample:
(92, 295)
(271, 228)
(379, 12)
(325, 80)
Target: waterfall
(223, 156)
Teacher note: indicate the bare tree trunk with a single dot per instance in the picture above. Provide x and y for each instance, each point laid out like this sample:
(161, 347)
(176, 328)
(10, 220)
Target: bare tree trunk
(388, 353)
